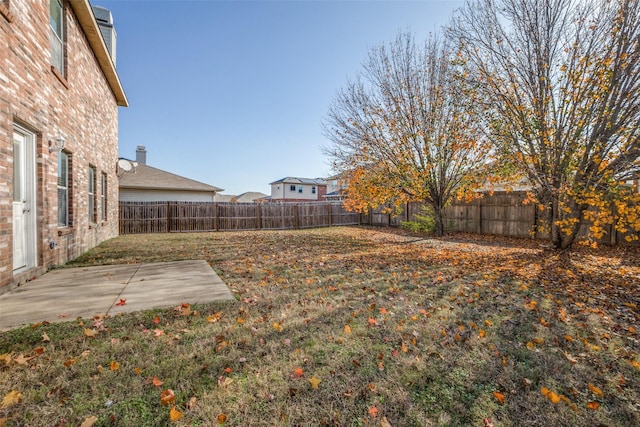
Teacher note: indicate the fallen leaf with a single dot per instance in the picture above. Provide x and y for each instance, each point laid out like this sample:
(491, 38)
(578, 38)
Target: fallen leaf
(192, 403)
(277, 326)
(487, 422)
(156, 382)
(121, 302)
(222, 418)
(156, 320)
(593, 405)
(373, 411)
(167, 397)
(21, 359)
(552, 396)
(225, 381)
(347, 329)
(595, 390)
(158, 332)
(12, 398)
(114, 366)
(214, 317)
(175, 415)
(45, 337)
(298, 372)
(384, 422)
(69, 362)
(314, 381)
(499, 396)
(6, 357)
(137, 371)
(570, 358)
(91, 333)
(531, 305)
(89, 421)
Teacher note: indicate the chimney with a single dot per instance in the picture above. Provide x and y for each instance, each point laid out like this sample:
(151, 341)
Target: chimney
(141, 155)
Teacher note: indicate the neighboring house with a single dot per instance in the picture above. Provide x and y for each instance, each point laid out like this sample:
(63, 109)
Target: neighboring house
(250, 197)
(59, 99)
(336, 188)
(247, 197)
(292, 189)
(224, 198)
(143, 183)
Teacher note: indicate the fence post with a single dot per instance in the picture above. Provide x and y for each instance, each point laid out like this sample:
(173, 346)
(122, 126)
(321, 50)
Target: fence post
(480, 214)
(259, 216)
(216, 224)
(329, 213)
(168, 217)
(296, 223)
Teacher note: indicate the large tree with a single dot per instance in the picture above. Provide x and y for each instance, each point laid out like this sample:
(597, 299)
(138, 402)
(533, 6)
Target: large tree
(406, 129)
(563, 78)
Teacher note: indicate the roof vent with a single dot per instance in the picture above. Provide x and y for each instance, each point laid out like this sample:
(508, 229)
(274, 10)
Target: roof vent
(105, 22)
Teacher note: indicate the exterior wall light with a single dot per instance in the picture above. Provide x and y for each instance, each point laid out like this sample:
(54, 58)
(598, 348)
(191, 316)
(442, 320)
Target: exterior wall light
(58, 146)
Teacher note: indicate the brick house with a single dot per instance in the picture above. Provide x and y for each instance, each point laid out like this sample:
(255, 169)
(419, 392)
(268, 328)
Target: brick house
(293, 189)
(59, 98)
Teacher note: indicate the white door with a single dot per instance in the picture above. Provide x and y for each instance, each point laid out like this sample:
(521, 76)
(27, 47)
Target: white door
(24, 248)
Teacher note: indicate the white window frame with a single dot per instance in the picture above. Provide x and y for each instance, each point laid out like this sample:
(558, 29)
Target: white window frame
(103, 196)
(292, 188)
(300, 189)
(92, 194)
(57, 35)
(63, 189)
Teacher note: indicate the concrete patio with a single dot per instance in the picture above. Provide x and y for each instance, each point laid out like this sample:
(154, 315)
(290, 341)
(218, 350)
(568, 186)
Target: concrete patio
(68, 293)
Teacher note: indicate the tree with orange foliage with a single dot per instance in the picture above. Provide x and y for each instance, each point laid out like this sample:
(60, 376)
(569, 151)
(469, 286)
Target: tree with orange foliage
(563, 81)
(406, 129)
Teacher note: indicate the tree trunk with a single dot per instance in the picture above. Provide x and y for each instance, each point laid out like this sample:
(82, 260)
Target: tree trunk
(438, 213)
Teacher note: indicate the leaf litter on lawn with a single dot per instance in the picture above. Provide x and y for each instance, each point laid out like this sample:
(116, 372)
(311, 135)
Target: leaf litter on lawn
(426, 331)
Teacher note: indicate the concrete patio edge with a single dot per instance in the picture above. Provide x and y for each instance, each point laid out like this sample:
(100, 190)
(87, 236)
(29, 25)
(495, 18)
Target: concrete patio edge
(69, 293)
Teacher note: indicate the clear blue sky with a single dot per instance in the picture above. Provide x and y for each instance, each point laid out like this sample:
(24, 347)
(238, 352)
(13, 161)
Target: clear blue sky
(233, 93)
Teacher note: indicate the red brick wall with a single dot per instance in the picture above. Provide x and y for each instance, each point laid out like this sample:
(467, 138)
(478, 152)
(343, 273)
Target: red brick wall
(81, 107)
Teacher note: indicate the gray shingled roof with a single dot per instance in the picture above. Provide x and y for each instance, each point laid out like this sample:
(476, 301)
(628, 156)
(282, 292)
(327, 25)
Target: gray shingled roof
(296, 180)
(145, 176)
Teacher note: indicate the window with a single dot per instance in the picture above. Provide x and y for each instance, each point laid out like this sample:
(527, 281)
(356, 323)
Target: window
(103, 196)
(56, 22)
(300, 189)
(292, 188)
(63, 189)
(92, 194)
(313, 190)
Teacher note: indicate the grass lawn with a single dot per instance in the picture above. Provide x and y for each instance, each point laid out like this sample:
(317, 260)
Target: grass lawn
(347, 326)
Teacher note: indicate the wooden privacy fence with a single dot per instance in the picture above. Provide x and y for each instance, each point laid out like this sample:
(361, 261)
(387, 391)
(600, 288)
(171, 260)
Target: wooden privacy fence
(170, 217)
(501, 213)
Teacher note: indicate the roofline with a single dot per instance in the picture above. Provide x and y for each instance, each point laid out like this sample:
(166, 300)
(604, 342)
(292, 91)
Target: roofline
(297, 180)
(146, 187)
(84, 13)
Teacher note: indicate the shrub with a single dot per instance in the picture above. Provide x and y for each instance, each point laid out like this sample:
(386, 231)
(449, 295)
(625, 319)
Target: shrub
(424, 222)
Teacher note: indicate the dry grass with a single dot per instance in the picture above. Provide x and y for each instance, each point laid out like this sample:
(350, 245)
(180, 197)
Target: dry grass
(418, 332)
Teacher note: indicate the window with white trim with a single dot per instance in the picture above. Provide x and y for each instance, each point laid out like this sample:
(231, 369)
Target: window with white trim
(313, 190)
(92, 195)
(63, 189)
(56, 34)
(292, 188)
(103, 196)
(300, 189)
